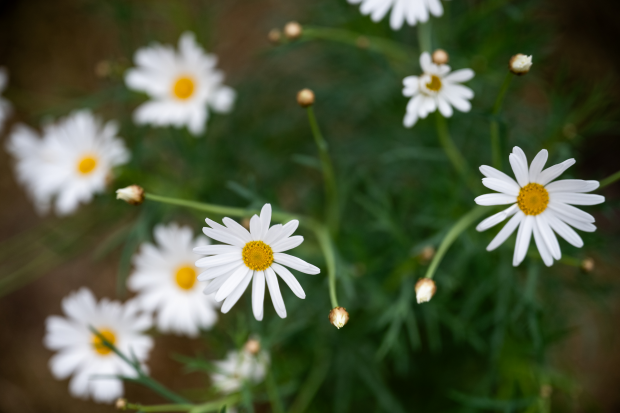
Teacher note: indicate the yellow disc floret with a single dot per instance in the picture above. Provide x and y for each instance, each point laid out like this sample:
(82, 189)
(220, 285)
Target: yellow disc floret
(87, 164)
(98, 344)
(533, 199)
(183, 88)
(185, 277)
(434, 84)
(257, 255)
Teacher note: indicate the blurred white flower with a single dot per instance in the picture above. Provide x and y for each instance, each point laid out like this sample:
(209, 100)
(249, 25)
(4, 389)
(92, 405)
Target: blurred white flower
(182, 84)
(436, 88)
(520, 64)
(5, 106)
(539, 206)
(412, 11)
(71, 162)
(258, 254)
(425, 290)
(239, 367)
(165, 280)
(82, 354)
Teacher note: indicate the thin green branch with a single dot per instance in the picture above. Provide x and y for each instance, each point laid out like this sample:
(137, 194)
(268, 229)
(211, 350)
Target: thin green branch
(327, 247)
(425, 37)
(609, 180)
(453, 153)
(495, 138)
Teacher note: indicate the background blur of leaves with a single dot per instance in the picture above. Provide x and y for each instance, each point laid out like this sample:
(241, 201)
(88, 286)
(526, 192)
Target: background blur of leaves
(494, 338)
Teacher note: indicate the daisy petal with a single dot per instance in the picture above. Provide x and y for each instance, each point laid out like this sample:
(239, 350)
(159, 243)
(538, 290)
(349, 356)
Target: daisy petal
(237, 293)
(218, 271)
(554, 171)
(215, 249)
(289, 279)
(524, 236)
(520, 169)
(258, 294)
(232, 283)
(495, 199)
(564, 230)
(265, 219)
(273, 234)
(217, 283)
(491, 172)
(256, 229)
(572, 185)
(576, 199)
(548, 235)
(287, 230)
(538, 164)
(502, 186)
(237, 229)
(217, 260)
(460, 76)
(542, 247)
(274, 291)
(497, 218)
(505, 232)
(571, 212)
(295, 263)
(222, 236)
(287, 244)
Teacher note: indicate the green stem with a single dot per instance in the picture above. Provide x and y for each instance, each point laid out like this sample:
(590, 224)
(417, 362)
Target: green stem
(327, 247)
(609, 180)
(331, 189)
(456, 230)
(495, 138)
(453, 153)
(161, 407)
(425, 37)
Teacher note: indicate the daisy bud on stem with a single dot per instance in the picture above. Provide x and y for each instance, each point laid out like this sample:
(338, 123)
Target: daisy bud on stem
(274, 36)
(252, 346)
(425, 290)
(587, 265)
(292, 30)
(339, 317)
(133, 194)
(440, 57)
(427, 254)
(121, 404)
(305, 98)
(520, 64)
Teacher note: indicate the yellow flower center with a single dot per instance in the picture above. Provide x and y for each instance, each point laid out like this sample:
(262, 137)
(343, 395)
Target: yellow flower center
(257, 255)
(186, 277)
(87, 164)
(183, 88)
(533, 199)
(98, 342)
(434, 84)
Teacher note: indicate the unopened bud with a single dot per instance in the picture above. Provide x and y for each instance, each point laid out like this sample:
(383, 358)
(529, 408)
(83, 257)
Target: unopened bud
(274, 36)
(133, 194)
(292, 30)
(440, 57)
(339, 317)
(587, 265)
(121, 404)
(305, 98)
(425, 290)
(426, 254)
(520, 64)
(252, 346)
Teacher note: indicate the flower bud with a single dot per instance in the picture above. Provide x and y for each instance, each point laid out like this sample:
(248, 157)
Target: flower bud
(274, 36)
(292, 30)
(587, 265)
(133, 194)
(339, 317)
(520, 64)
(440, 57)
(121, 404)
(425, 290)
(252, 346)
(305, 98)
(426, 254)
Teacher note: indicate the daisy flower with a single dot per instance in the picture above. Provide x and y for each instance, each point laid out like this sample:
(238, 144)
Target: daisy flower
(182, 84)
(82, 354)
(436, 89)
(5, 106)
(165, 280)
(258, 255)
(239, 367)
(412, 11)
(70, 163)
(539, 206)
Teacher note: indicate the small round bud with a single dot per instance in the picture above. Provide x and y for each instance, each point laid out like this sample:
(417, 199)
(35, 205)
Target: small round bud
(133, 194)
(121, 404)
(440, 57)
(362, 42)
(103, 69)
(252, 346)
(520, 64)
(292, 30)
(339, 317)
(426, 254)
(274, 36)
(305, 98)
(587, 265)
(425, 290)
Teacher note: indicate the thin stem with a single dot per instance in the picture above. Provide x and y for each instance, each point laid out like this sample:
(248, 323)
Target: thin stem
(331, 189)
(495, 139)
(425, 37)
(453, 153)
(456, 230)
(327, 247)
(161, 407)
(609, 180)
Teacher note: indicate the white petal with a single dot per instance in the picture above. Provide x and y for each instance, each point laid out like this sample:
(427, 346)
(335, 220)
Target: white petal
(542, 247)
(495, 199)
(571, 212)
(505, 232)
(295, 263)
(520, 154)
(576, 199)
(222, 236)
(216, 284)
(256, 228)
(554, 171)
(397, 18)
(519, 169)
(217, 260)
(237, 229)
(538, 164)
(564, 230)
(232, 283)
(237, 293)
(273, 234)
(425, 62)
(274, 291)
(287, 244)
(500, 185)
(287, 230)
(460, 76)
(215, 249)
(497, 218)
(258, 294)
(575, 223)
(265, 220)
(523, 240)
(548, 235)
(572, 185)
(223, 99)
(444, 106)
(289, 279)
(491, 172)
(215, 272)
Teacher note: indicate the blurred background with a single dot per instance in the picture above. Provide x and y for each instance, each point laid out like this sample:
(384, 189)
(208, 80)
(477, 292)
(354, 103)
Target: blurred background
(68, 54)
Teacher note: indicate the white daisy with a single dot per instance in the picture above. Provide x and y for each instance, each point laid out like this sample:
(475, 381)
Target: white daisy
(182, 85)
(5, 106)
(239, 367)
(436, 88)
(412, 11)
(165, 279)
(82, 354)
(539, 206)
(71, 162)
(257, 254)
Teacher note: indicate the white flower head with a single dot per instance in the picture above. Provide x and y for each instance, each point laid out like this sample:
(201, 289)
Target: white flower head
(539, 206)
(71, 163)
(239, 367)
(520, 64)
(412, 11)
(5, 106)
(258, 255)
(133, 194)
(436, 89)
(165, 280)
(183, 85)
(82, 354)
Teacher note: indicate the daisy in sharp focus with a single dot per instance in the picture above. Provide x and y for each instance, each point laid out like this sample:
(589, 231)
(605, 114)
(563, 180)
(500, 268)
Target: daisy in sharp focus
(165, 280)
(70, 164)
(239, 367)
(183, 85)
(256, 256)
(539, 206)
(5, 106)
(411, 11)
(436, 89)
(82, 354)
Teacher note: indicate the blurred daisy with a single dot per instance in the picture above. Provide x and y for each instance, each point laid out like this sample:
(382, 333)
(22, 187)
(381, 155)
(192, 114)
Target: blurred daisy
(239, 367)
(182, 84)
(436, 89)
(82, 354)
(257, 254)
(539, 206)
(5, 106)
(412, 11)
(71, 162)
(165, 280)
